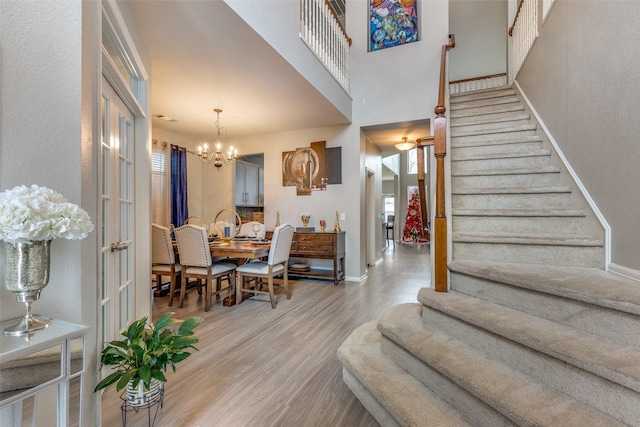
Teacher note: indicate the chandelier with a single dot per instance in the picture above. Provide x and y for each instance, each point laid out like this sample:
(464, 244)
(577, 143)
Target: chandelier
(217, 156)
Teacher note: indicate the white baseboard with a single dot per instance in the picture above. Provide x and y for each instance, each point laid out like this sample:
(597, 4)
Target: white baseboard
(627, 272)
(356, 279)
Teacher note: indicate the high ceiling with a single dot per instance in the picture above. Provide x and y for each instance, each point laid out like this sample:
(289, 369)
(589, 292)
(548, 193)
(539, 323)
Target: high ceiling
(204, 57)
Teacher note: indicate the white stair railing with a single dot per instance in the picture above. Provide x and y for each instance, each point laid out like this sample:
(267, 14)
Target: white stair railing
(324, 35)
(523, 32)
(477, 83)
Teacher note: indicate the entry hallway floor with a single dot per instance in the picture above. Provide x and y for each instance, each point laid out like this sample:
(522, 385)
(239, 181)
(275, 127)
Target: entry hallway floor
(264, 367)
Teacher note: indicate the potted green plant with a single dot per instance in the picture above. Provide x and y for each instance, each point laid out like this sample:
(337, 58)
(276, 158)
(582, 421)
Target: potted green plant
(141, 359)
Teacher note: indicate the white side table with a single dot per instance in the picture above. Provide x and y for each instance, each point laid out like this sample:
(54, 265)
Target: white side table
(41, 377)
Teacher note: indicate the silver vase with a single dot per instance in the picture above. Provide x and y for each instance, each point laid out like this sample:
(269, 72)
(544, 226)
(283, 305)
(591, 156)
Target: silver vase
(26, 273)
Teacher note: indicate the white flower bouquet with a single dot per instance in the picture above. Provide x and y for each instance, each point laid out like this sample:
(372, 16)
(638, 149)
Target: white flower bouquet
(39, 213)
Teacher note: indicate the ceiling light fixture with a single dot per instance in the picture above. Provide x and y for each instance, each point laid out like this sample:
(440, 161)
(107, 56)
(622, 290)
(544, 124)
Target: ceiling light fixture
(216, 156)
(404, 145)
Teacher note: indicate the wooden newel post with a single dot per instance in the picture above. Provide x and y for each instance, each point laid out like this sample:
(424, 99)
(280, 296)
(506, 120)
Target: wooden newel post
(440, 220)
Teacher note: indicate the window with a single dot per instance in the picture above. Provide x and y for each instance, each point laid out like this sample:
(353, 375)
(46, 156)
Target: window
(412, 161)
(389, 206)
(160, 184)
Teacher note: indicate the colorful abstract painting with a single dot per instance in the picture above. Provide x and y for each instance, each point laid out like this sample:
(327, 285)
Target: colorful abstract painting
(392, 23)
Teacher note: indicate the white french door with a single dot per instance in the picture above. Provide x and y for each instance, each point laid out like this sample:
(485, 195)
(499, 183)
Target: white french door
(117, 224)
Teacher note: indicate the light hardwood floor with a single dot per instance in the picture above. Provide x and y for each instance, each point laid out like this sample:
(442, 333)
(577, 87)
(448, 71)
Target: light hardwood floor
(264, 367)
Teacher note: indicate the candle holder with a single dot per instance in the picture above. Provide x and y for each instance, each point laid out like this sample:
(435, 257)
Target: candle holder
(336, 227)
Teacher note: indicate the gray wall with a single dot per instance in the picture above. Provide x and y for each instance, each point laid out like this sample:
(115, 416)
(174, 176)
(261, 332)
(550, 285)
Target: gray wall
(480, 28)
(582, 78)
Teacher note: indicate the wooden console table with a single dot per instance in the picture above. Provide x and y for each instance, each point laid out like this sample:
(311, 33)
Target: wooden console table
(317, 245)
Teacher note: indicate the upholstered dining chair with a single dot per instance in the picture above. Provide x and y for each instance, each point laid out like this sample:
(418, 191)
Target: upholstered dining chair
(195, 257)
(163, 258)
(276, 265)
(247, 230)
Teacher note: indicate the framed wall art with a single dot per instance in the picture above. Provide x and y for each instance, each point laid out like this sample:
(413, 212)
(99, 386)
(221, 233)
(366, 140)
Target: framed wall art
(312, 168)
(392, 23)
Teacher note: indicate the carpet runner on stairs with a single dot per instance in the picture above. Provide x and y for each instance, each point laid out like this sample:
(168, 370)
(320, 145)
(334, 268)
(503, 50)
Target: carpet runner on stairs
(532, 331)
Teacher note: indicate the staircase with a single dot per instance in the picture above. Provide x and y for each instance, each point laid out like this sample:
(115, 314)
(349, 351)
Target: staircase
(533, 331)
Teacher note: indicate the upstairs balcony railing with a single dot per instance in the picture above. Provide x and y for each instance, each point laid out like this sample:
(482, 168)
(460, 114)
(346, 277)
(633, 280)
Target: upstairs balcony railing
(323, 33)
(523, 32)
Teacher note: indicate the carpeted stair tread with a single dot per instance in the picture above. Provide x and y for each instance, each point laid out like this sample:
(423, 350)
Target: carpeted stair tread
(461, 145)
(519, 212)
(517, 396)
(527, 238)
(491, 131)
(407, 399)
(514, 171)
(614, 361)
(510, 155)
(513, 190)
(590, 285)
(457, 106)
(482, 94)
(506, 116)
(482, 111)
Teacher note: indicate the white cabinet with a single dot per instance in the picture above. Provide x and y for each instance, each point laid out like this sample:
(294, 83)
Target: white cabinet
(249, 184)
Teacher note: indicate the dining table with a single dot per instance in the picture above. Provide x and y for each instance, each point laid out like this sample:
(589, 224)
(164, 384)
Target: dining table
(241, 250)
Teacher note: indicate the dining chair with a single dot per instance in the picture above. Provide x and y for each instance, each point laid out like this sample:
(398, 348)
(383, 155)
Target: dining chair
(276, 265)
(390, 229)
(195, 257)
(247, 230)
(163, 258)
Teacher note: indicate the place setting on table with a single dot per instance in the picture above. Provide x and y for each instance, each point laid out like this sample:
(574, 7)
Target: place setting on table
(227, 240)
(233, 239)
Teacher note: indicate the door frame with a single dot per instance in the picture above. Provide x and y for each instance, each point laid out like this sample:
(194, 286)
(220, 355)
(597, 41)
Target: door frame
(370, 218)
(138, 101)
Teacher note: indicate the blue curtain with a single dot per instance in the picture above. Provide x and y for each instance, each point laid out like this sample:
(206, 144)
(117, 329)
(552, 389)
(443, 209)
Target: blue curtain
(179, 205)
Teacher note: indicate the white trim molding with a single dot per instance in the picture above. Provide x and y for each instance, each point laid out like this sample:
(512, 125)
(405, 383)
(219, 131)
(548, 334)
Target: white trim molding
(627, 272)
